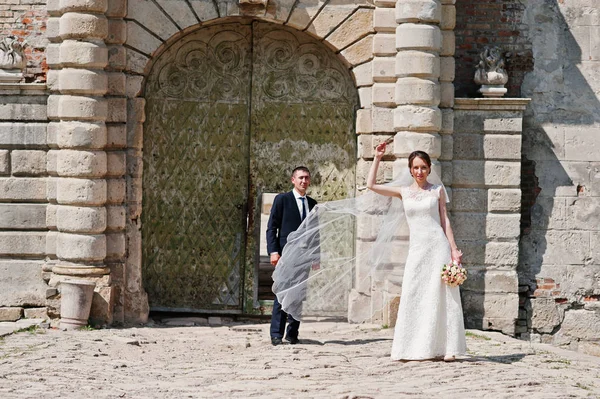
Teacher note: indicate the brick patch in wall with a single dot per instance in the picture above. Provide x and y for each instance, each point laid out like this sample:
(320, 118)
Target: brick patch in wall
(26, 19)
(481, 23)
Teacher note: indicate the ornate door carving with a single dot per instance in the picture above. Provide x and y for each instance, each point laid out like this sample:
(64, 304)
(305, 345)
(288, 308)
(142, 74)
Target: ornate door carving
(231, 109)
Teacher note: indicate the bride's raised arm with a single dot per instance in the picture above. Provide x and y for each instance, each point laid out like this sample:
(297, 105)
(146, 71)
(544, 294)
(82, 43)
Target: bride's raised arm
(372, 178)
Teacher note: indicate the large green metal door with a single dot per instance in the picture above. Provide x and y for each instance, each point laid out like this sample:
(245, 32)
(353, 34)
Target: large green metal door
(231, 109)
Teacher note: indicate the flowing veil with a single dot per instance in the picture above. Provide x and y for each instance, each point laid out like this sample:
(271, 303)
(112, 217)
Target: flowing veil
(342, 245)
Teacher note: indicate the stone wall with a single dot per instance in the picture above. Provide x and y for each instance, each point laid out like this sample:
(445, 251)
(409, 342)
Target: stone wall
(559, 266)
(26, 19)
(486, 199)
(24, 238)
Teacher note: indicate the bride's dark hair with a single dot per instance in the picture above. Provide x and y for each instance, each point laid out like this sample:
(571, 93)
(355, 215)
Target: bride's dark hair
(421, 154)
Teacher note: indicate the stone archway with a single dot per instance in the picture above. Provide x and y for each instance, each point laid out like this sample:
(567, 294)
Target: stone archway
(231, 109)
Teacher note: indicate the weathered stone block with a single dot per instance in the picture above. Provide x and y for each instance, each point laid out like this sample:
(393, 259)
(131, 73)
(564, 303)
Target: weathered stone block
(4, 162)
(117, 109)
(117, 31)
(151, 17)
(496, 146)
(448, 21)
(74, 191)
(355, 27)
(51, 216)
(74, 134)
(417, 64)
(383, 94)
(503, 226)
(10, 313)
(329, 17)
(469, 226)
(23, 108)
(491, 173)
(545, 315)
(504, 200)
(140, 39)
(35, 313)
(384, 173)
(74, 53)
(365, 96)
(134, 189)
(53, 29)
(448, 43)
(22, 189)
(382, 120)
(583, 213)
(303, 12)
(23, 134)
(468, 146)
(363, 74)
(469, 200)
(180, 12)
(77, 107)
(116, 136)
(384, 20)
(383, 69)
(553, 247)
(417, 118)
(447, 121)
(384, 44)
(82, 82)
(359, 52)
(488, 281)
(83, 26)
(582, 144)
(115, 218)
(364, 121)
(411, 36)
(490, 311)
(447, 69)
(418, 11)
(447, 147)
(115, 245)
(205, 9)
(119, 58)
(417, 91)
(580, 324)
(116, 163)
(22, 243)
(446, 95)
(22, 216)
(76, 219)
(407, 142)
(81, 163)
(115, 191)
(21, 283)
(501, 254)
(75, 247)
(116, 83)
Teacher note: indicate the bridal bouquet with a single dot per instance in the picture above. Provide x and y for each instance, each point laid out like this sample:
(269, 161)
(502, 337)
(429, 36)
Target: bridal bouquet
(454, 274)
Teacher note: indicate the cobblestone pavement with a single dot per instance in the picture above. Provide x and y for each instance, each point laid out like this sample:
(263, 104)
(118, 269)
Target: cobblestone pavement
(333, 360)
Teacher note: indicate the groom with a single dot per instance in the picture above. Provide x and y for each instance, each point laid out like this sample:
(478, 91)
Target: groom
(288, 211)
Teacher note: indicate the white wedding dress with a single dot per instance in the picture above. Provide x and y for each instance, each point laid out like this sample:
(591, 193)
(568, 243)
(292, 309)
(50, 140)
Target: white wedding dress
(430, 321)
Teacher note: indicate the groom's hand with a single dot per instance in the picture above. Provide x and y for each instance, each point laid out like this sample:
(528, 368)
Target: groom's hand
(275, 259)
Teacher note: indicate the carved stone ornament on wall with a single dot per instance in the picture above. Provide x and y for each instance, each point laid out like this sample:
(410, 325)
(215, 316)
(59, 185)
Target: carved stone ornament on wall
(12, 59)
(490, 72)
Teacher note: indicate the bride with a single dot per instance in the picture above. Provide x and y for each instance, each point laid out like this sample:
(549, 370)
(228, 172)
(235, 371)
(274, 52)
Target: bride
(430, 321)
(319, 260)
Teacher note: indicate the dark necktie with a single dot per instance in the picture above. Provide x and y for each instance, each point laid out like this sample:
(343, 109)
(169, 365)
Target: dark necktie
(303, 208)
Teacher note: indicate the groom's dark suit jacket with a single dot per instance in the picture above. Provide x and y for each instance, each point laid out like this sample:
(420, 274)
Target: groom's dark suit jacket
(284, 219)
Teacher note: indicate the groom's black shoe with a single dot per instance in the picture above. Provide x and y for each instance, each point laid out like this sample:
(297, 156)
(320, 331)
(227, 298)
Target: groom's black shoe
(276, 341)
(292, 341)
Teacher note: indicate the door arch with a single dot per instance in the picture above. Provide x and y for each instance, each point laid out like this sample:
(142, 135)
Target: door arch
(231, 109)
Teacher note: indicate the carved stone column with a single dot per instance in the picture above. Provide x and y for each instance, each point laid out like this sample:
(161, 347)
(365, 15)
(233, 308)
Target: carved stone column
(78, 111)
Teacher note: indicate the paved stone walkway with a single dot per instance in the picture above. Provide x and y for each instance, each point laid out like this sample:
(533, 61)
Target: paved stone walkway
(333, 360)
